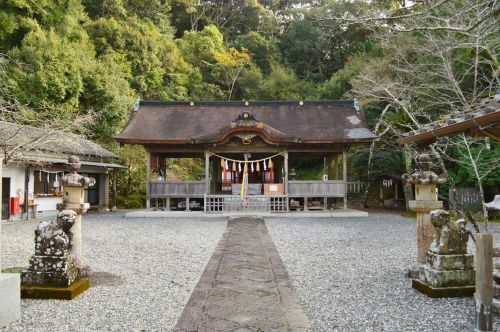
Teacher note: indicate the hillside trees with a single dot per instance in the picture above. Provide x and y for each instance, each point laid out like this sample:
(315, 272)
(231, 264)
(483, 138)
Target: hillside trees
(68, 58)
(436, 61)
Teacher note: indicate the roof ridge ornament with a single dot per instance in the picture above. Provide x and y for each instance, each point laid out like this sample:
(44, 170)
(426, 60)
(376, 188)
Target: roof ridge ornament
(246, 116)
(246, 119)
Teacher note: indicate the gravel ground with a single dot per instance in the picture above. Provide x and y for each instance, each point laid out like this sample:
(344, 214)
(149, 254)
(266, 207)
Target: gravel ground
(349, 275)
(145, 270)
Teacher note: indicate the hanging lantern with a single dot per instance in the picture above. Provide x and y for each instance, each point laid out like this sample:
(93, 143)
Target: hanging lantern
(234, 166)
(271, 165)
(258, 167)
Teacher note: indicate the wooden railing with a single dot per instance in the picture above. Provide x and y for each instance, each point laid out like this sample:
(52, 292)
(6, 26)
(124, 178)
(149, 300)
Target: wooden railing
(355, 187)
(251, 203)
(160, 189)
(313, 188)
(297, 188)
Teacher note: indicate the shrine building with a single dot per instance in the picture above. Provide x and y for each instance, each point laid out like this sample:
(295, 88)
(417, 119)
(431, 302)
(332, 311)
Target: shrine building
(246, 148)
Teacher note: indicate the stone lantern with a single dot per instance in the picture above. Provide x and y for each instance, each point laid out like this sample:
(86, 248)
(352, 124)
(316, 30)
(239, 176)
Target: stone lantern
(74, 186)
(425, 182)
(56, 270)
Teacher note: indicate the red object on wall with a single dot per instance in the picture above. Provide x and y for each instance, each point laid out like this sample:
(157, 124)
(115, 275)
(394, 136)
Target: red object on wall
(14, 205)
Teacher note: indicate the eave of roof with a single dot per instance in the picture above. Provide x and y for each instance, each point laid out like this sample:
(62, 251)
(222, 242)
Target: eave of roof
(65, 161)
(483, 120)
(456, 126)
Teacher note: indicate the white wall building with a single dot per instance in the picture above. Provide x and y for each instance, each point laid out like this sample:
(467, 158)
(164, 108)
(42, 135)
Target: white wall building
(31, 174)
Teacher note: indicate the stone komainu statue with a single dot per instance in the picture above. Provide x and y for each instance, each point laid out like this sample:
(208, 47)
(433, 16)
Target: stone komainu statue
(451, 236)
(53, 264)
(54, 238)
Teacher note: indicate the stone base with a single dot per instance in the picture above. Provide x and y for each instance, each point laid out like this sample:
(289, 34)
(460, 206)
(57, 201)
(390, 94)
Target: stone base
(413, 272)
(450, 262)
(448, 271)
(54, 292)
(437, 292)
(10, 303)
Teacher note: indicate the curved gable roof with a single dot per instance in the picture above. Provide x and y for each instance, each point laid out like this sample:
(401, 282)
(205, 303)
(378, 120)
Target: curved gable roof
(283, 122)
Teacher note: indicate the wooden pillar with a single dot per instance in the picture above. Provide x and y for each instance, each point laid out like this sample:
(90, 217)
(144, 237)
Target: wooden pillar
(26, 191)
(207, 173)
(325, 203)
(187, 204)
(329, 170)
(167, 204)
(484, 282)
(115, 177)
(305, 204)
(336, 177)
(285, 178)
(148, 179)
(344, 175)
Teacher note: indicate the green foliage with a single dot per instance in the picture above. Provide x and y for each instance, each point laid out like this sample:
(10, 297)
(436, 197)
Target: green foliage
(464, 175)
(187, 169)
(64, 58)
(263, 51)
(130, 180)
(385, 161)
(131, 202)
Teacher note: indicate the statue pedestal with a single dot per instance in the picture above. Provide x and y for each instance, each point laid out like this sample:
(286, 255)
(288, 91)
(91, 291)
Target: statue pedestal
(449, 269)
(53, 292)
(10, 302)
(447, 276)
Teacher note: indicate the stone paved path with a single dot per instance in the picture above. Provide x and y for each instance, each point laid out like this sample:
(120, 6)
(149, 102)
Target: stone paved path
(245, 286)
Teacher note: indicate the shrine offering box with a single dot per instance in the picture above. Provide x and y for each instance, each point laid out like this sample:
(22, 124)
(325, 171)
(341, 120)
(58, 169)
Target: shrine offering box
(273, 189)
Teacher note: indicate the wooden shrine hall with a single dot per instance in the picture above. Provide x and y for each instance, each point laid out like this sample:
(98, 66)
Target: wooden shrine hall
(246, 147)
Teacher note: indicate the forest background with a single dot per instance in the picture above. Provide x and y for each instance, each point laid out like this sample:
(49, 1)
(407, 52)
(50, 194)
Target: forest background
(409, 63)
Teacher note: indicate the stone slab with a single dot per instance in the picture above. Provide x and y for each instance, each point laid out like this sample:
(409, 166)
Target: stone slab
(425, 206)
(447, 278)
(245, 286)
(348, 213)
(58, 293)
(438, 292)
(450, 262)
(10, 301)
